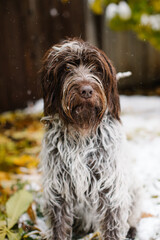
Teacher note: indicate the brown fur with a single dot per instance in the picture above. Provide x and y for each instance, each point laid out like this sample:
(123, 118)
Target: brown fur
(56, 66)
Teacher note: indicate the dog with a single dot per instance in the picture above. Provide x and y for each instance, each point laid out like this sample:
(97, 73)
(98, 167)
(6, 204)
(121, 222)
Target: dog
(86, 183)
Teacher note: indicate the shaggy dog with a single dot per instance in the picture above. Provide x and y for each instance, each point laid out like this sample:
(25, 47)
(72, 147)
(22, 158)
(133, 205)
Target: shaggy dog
(85, 176)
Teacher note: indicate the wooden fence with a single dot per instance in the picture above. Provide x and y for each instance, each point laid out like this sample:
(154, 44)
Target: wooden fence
(28, 28)
(137, 56)
(128, 53)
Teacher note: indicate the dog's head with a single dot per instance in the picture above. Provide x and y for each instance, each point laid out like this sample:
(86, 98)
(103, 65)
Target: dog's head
(79, 83)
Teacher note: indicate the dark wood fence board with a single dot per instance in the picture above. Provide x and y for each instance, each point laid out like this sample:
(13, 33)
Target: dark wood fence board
(131, 54)
(28, 29)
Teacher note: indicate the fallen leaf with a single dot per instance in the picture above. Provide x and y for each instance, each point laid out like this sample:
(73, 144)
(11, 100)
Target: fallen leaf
(146, 215)
(13, 236)
(4, 176)
(3, 229)
(17, 205)
(2, 235)
(26, 161)
(32, 213)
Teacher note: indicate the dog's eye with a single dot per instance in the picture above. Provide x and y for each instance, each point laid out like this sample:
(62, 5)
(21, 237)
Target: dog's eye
(67, 68)
(93, 69)
(96, 69)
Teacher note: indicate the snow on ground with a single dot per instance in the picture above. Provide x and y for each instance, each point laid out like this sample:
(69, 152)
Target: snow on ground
(34, 108)
(141, 120)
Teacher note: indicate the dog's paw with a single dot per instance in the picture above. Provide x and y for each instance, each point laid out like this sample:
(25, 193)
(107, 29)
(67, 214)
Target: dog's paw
(131, 233)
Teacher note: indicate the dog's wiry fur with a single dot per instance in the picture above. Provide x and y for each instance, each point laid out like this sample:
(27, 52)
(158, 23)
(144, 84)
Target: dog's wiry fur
(86, 187)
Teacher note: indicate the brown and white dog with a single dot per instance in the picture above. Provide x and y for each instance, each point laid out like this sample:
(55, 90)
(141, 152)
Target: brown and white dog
(85, 175)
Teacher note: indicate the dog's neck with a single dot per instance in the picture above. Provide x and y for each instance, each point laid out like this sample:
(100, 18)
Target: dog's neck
(74, 131)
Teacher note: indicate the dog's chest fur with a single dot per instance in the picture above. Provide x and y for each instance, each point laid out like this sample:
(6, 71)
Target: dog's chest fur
(81, 167)
(86, 172)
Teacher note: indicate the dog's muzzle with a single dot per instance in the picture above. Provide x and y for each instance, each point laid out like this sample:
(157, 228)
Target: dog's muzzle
(84, 102)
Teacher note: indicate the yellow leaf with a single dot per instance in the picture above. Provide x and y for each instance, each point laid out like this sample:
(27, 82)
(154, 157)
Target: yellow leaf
(156, 5)
(26, 161)
(96, 235)
(32, 214)
(4, 176)
(97, 7)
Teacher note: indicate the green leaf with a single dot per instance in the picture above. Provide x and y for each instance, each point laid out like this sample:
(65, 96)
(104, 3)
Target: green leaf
(2, 235)
(2, 224)
(17, 205)
(13, 236)
(3, 230)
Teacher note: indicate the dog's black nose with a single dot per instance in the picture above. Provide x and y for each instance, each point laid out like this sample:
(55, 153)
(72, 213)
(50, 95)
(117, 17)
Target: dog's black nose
(86, 91)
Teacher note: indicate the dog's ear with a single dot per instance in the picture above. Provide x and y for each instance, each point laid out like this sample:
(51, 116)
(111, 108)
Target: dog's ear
(110, 86)
(49, 81)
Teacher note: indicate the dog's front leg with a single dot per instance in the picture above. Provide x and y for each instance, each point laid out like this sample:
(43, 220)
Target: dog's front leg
(112, 225)
(60, 219)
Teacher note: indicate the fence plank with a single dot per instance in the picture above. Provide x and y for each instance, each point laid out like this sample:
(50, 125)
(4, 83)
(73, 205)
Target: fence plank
(128, 53)
(28, 29)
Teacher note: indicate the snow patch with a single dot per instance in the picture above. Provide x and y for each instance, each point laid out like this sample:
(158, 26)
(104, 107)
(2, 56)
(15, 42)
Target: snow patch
(141, 120)
(149, 229)
(35, 108)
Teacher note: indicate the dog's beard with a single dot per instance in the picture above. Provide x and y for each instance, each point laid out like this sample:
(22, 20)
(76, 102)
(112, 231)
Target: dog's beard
(83, 113)
(86, 115)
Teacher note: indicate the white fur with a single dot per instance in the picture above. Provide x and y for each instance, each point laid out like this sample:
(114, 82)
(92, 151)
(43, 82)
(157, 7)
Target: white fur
(74, 45)
(66, 152)
(82, 73)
